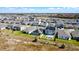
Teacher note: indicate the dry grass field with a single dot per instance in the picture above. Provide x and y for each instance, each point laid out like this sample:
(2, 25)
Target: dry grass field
(18, 41)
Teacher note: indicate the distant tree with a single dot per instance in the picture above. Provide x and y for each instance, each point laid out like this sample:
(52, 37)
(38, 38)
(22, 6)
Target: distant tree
(55, 37)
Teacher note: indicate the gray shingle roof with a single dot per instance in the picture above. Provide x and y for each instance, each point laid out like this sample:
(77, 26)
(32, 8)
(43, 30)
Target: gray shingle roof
(75, 33)
(30, 29)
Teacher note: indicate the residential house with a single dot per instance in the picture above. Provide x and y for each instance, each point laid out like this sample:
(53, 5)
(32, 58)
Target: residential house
(50, 31)
(68, 26)
(33, 30)
(59, 24)
(22, 27)
(9, 26)
(51, 24)
(63, 35)
(75, 35)
(76, 27)
(43, 24)
(2, 27)
(25, 22)
(77, 20)
(13, 27)
(72, 21)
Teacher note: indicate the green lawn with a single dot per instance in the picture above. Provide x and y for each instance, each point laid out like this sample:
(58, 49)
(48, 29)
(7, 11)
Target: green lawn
(19, 33)
(74, 42)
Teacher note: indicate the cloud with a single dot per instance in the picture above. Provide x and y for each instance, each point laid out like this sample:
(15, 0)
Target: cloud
(51, 8)
(55, 8)
(31, 9)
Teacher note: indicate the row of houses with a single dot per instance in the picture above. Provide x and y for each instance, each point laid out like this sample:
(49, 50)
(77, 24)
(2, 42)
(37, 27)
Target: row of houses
(29, 20)
(34, 30)
(63, 28)
(49, 31)
(68, 34)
